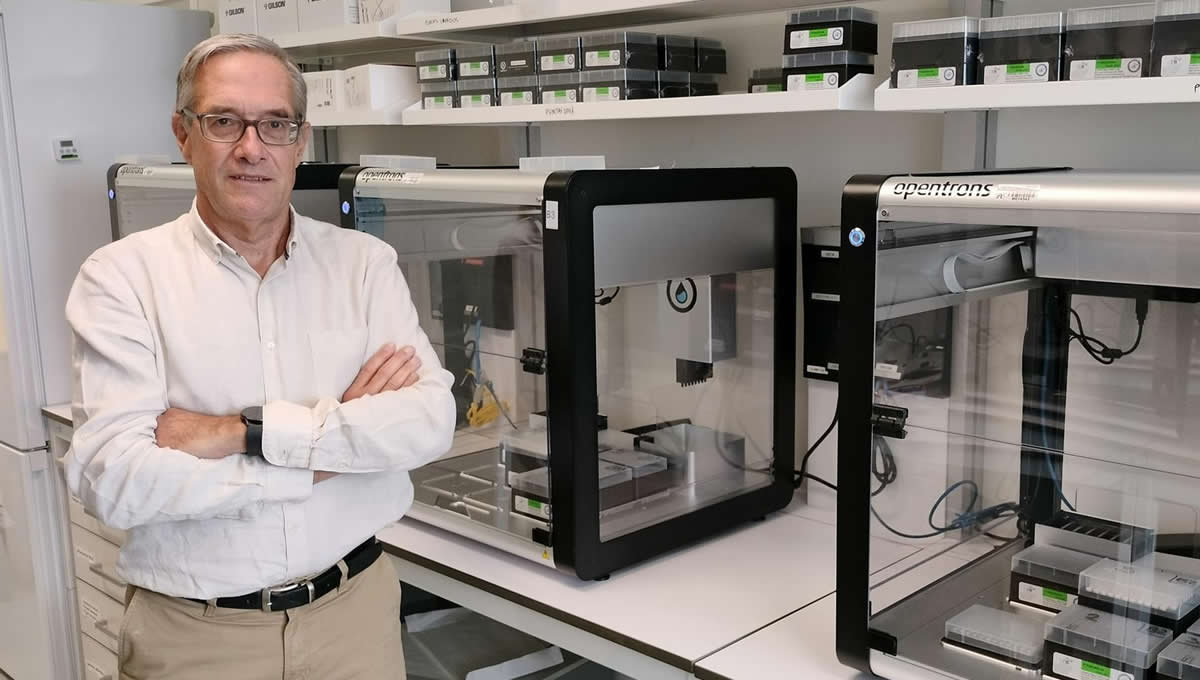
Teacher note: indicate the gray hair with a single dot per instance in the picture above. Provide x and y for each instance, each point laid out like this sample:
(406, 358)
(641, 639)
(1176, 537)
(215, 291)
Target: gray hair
(226, 43)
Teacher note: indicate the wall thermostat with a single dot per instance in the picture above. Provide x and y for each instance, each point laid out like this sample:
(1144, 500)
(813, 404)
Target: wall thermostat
(64, 149)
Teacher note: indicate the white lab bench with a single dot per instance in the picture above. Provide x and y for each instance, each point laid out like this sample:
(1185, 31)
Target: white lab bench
(754, 603)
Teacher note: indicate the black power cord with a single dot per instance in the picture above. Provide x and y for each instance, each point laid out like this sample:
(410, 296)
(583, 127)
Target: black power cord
(1098, 349)
(602, 299)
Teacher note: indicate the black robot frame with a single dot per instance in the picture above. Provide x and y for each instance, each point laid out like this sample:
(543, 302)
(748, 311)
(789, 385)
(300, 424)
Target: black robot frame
(1044, 376)
(569, 270)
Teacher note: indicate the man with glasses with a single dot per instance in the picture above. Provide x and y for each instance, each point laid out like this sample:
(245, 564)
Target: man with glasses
(251, 389)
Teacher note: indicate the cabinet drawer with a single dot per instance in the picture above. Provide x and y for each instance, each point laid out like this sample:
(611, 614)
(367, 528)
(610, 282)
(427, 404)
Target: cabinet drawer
(99, 615)
(96, 563)
(80, 517)
(98, 662)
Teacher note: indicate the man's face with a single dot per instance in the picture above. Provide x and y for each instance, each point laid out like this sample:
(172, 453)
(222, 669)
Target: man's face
(246, 181)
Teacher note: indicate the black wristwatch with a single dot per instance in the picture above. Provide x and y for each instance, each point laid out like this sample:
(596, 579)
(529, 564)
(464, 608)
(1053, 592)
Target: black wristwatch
(252, 417)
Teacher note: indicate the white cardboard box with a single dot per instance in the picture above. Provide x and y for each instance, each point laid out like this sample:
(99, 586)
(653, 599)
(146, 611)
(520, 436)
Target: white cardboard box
(370, 11)
(375, 87)
(237, 16)
(326, 92)
(318, 14)
(277, 17)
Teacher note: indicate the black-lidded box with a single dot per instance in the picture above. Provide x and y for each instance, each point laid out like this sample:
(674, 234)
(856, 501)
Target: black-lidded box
(558, 88)
(1176, 38)
(1108, 42)
(710, 56)
(558, 54)
(704, 84)
(620, 49)
(838, 28)
(618, 84)
(676, 53)
(823, 70)
(476, 93)
(1088, 643)
(674, 84)
(439, 95)
(1024, 48)
(518, 90)
(475, 61)
(516, 59)
(935, 53)
(435, 65)
(766, 80)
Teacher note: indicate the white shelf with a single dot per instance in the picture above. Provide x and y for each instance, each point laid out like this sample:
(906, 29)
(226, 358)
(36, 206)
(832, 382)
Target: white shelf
(349, 39)
(855, 95)
(508, 22)
(1039, 95)
(390, 116)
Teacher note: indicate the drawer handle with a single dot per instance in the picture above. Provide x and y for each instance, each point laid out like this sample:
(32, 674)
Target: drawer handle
(98, 569)
(102, 626)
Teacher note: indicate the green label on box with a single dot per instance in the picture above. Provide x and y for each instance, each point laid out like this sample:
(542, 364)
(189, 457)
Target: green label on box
(929, 72)
(560, 58)
(602, 91)
(604, 54)
(1018, 68)
(476, 97)
(1196, 60)
(819, 33)
(1096, 669)
(774, 87)
(814, 78)
(1051, 594)
(536, 505)
(1108, 64)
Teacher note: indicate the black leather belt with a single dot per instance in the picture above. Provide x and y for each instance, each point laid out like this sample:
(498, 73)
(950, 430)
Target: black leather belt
(298, 594)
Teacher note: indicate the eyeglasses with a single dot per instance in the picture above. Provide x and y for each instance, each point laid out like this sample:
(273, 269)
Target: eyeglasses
(227, 128)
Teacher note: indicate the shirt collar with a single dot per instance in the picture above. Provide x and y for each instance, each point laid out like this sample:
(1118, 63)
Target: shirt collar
(218, 249)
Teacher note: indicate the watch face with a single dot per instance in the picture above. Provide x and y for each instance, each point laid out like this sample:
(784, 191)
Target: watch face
(253, 414)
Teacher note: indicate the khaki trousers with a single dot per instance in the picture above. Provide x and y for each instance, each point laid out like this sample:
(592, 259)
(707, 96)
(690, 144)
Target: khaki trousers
(352, 633)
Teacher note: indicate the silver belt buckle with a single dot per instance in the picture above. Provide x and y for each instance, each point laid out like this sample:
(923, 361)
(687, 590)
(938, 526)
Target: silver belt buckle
(266, 593)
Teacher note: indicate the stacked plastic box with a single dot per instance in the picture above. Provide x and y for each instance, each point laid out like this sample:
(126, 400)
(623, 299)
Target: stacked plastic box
(822, 50)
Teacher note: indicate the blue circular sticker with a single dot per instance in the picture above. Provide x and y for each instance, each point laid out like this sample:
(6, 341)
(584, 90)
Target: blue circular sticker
(857, 237)
(345, 207)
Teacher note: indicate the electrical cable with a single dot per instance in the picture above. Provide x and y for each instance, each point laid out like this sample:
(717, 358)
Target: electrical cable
(602, 299)
(1101, 351)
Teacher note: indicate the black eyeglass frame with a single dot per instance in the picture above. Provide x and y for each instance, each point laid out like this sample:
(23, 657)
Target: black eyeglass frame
(295, 126)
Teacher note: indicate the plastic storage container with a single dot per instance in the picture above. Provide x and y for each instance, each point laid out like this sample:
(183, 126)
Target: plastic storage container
(518, 91)
(766, 80)
(558, 88)
(531, 490)
(1142, 589)
(435, 65)
(1108, 42)
(475, 61)
(1181, 659)
(676, 53)
(823, 70)
(711, 57)
(1081, 640)
(1026, 48)
(476, 93)
(1047, 577)
(650, 473)
(936, 53)
(620, 49)
(704, 84)
(516, 59)
(1176, 38)
(674, 84)
(1001, 635)
(618, 84)
(838, 28)
(558, 54)
(441, 95)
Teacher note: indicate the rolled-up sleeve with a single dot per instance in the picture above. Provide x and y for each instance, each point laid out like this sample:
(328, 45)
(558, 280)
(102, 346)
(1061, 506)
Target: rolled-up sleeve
(114, 465)
(396, 430)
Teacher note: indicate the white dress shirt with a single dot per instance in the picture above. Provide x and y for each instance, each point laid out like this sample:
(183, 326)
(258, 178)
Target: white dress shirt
(174, 317)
